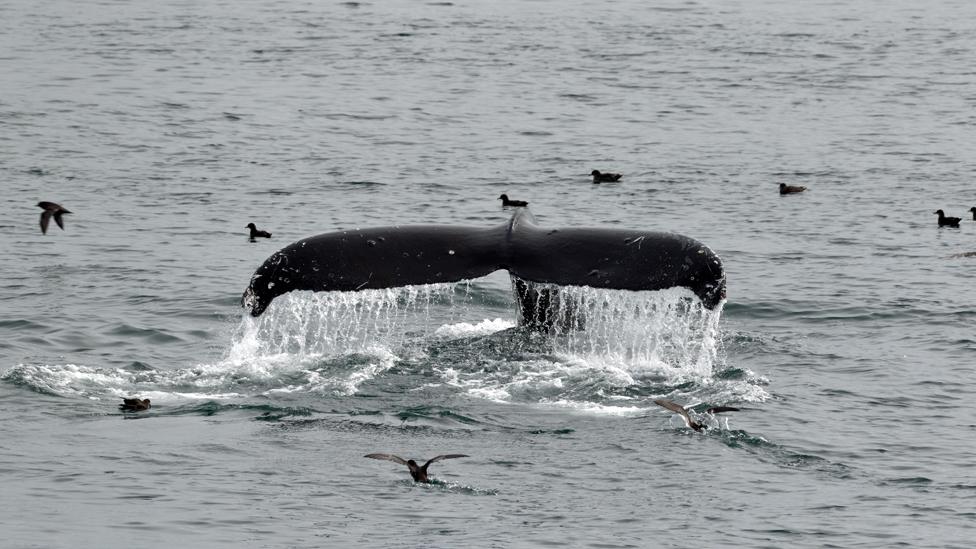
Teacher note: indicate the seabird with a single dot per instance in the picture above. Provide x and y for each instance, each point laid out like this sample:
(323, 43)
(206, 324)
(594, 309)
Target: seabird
(134, 405)
(605, 177)
(947, 221)
(418, 473)
(680, 410)
(256, 233)
(974, 213)
(51, 209)
(787, 189)
(507, 202)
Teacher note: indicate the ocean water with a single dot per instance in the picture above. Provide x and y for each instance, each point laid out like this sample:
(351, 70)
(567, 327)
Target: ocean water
(847, 338)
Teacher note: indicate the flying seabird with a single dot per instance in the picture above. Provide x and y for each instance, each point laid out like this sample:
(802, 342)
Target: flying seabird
(418, 473)
(51, 209)
(680, 410)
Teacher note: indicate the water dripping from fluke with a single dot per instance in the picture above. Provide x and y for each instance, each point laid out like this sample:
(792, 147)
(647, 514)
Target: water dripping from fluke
(607, 351)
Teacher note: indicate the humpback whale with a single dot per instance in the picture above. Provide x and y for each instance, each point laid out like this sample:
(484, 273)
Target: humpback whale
(534, 256)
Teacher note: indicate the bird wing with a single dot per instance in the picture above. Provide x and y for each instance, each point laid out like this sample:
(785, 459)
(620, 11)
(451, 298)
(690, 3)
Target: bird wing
(676, 408)
(720, 409)
(45, 219)
(671, 405)
(445, 456)
(58, 220)
(388, 457)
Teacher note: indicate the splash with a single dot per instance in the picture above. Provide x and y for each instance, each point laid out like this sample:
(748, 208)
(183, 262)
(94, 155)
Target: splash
(662, 330)
(608, 352)
(336, 323)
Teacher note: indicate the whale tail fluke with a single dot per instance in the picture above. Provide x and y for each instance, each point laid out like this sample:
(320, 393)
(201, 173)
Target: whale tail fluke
(396, 256)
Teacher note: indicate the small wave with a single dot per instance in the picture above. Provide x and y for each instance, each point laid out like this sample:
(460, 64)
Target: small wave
(232, 379)
(463, 489)
(436, 415)
(350, 116)
(438, 485)
(781, 456)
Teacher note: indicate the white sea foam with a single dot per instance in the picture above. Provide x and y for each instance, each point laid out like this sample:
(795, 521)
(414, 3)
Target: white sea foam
(595, 408)
(332, 343)
(467, 329)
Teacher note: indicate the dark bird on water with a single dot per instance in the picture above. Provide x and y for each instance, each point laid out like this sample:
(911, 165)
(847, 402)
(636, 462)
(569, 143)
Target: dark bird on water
(683, 412)
(788, 189)
(974, 212)
(947, 221)
(507, 202)
(256, 233)
(51, 209)
(419, 473)
(605, 177)
(134, 405)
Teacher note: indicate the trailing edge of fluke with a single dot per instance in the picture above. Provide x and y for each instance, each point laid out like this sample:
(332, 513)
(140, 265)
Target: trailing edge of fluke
(386, 257)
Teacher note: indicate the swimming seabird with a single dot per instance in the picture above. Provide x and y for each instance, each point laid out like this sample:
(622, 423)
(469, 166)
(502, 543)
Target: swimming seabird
(947, 221)
(418, 473)
(134, 405)
(787, 189)
(507, 202)
(680, 410)
(605, 177)
(974, 212)
(51, 209)
(255, 232)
